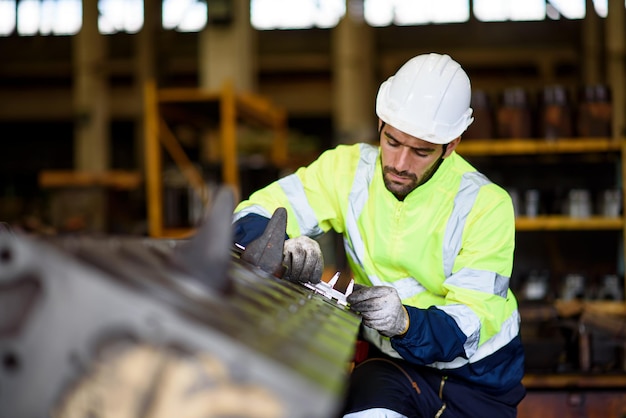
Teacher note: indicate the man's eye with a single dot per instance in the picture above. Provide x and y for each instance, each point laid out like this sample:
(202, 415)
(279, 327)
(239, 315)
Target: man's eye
(393, 144)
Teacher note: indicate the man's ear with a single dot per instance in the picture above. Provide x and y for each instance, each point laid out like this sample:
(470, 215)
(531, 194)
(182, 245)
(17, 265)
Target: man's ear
(452, 146)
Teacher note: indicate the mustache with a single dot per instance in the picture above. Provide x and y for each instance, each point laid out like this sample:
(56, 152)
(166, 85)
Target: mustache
(407, 174)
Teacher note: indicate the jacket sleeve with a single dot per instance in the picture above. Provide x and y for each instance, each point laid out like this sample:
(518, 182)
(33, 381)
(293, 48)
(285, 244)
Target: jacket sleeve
(432, 336)
(478, 306)
(249, 228)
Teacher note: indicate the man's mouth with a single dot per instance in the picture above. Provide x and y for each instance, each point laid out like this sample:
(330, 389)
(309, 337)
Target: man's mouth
(399, 177)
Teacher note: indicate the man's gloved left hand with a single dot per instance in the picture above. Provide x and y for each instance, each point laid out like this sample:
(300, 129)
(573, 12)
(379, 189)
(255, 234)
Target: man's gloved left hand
(381, 309)
(304, 259)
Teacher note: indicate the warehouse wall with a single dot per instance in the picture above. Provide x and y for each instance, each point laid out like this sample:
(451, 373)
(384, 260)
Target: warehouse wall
(296, 69)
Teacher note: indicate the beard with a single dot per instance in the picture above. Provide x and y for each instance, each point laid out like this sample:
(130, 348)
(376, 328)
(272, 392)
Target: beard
(401, 190)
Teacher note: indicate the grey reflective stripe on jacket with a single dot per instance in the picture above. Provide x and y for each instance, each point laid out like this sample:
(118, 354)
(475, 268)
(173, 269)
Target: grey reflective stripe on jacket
(256, 209)
(471, 183)
(305, 215)
(356, 202)
(481, 281)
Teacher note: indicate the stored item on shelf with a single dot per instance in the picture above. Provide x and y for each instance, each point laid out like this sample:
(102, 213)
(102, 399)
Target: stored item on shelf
(579, 203)
(514, 118)
(483, 125)
(573, 287)
(515, 200)
(594, 111)
(611, 203)
(610, 288)
(556, 113)
(182, 205)
(531, 203)
(536, 286)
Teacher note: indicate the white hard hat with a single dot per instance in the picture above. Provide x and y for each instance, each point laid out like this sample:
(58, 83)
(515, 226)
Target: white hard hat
(428, 98)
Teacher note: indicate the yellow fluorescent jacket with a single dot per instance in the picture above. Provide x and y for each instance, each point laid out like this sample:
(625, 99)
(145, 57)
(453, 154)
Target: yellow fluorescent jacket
(449, 244)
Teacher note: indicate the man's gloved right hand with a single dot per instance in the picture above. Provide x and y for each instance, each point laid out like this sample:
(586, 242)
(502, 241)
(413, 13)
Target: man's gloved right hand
(304, 260)
(381, 309)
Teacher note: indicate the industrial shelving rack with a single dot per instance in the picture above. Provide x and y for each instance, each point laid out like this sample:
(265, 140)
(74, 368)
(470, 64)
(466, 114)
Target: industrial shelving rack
(232, 108)
(563, 390)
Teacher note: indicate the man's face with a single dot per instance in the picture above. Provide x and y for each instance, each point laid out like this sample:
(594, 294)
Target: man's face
(408, 161)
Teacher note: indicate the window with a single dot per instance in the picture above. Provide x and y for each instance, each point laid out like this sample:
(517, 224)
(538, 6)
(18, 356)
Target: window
(8, 15)
(296, 14)
(184, 15)
(501, 10)
(415, 12)
(527, 10)
(64, 17)
(120, 16)
(602, 7)
(565, 8)
(44, 17)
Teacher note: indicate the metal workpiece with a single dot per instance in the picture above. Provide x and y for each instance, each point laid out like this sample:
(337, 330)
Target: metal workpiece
(135, 327)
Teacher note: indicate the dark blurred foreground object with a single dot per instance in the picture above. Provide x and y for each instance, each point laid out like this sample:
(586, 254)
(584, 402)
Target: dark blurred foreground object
(113, 327)
(5, 228)
(594, 111)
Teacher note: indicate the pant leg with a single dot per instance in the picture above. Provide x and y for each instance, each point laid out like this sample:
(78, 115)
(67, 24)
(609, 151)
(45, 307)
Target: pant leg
(392, 388)
(465, 401)
(383, 387)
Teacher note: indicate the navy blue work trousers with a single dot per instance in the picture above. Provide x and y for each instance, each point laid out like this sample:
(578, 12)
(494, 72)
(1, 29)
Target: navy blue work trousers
(420, 392)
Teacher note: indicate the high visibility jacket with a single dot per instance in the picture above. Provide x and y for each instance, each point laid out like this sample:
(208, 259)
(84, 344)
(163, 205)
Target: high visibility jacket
(447, 249)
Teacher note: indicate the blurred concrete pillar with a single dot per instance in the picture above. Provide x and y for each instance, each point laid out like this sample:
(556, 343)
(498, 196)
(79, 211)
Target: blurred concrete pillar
(91, 98)
(592, 46)
(616, 67)
(354, 92)
(91, 120)
(227, 47)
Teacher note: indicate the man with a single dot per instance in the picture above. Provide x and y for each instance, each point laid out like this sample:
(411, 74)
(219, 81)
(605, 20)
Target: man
(429, 239)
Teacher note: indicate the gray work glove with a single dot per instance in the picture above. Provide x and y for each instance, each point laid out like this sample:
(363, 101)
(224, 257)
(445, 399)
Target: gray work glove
(304, 260)
(381, 309)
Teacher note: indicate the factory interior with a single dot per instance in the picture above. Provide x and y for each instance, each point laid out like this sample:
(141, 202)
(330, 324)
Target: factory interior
(124, 120)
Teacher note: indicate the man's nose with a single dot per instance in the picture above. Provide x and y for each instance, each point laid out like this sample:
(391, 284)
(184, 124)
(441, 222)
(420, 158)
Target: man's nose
(403, 159)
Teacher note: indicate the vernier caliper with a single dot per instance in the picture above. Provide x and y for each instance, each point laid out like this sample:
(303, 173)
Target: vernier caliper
(327, 289)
